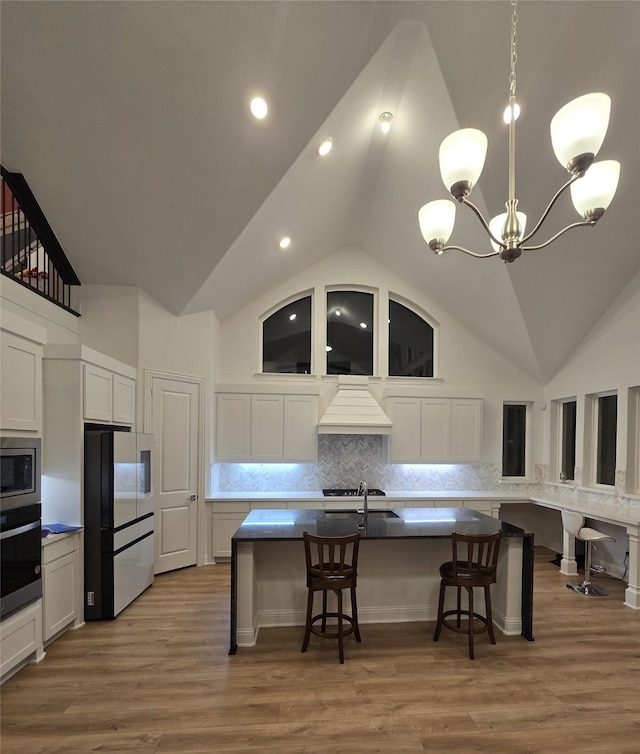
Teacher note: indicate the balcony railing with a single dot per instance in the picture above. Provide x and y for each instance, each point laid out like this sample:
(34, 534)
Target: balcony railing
(31, 253)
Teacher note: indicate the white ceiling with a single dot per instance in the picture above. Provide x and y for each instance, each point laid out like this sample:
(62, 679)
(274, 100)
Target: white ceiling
(130, 122)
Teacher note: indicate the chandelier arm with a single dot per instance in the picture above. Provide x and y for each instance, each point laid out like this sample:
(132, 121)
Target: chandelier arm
(469, 252)
(543, 217)
(485, 225)
(581, 224)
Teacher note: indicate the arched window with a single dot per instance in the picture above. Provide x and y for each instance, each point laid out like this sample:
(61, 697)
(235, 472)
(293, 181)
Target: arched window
(349, 332)
(410, 343)
(286, 339)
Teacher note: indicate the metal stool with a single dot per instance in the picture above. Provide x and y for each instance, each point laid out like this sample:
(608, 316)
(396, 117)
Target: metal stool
(573, 522)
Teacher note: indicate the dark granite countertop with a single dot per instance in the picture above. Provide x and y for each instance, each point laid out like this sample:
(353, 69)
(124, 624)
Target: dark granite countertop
(406, 523)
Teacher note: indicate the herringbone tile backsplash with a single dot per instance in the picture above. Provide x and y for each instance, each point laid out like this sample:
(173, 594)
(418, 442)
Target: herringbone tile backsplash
(343, 460)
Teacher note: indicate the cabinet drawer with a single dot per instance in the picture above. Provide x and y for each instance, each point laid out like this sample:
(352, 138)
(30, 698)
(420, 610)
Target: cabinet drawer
(55, 549)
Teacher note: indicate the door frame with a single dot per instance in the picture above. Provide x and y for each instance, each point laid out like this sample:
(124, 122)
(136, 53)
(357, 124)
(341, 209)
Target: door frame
(200, 383)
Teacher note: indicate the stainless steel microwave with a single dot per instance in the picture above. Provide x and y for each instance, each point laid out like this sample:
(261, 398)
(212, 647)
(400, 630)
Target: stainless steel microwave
(20, 466)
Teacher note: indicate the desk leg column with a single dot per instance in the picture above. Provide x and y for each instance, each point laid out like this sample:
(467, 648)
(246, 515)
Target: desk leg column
(568, 564)
(246, 610)
(632, 593)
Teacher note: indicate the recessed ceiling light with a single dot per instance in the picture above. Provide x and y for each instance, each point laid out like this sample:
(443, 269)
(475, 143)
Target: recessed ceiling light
(385, 122)
(285, 242)
(507, 112)
(363, 325)
(325, 147)
(259, 108)
(292, 316)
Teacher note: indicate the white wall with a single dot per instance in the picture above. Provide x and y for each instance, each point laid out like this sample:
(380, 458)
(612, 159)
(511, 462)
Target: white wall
(607, 359)
(109, 321)
(466, 363)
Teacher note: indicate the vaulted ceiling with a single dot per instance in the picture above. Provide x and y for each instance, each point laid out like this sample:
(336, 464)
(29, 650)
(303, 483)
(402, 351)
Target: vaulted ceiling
(130, 122)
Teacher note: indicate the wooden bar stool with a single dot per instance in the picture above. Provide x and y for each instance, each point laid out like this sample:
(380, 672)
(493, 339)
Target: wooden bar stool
(332, 565)
(474, 564)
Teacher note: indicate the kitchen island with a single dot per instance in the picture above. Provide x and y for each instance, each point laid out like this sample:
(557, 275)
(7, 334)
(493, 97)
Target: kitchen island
(398, 577)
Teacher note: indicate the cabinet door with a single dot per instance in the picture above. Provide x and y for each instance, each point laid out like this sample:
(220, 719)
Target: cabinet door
(404, 442)
(233, 427)
(466, 430)
(97, 393)
(435, 446)
(21, 383)
(267, 428)
(124, 400)
(300, 428)
(225, 526)
(59, 590)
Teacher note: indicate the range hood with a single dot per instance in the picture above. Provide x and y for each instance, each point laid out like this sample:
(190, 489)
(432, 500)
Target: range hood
(354, 411)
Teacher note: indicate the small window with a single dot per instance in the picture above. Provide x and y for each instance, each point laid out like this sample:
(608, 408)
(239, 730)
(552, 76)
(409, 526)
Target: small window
(349, 332)
(410, 343)
(606, 444)
(514, 434)
(568, 441)
(286, 339)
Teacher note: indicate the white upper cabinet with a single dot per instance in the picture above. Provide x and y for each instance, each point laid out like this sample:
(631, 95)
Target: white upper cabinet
(300, 428)
(21, 375)
(233, 427)
(466, 430)
(435, 430)
(266, 428)
(107, 396)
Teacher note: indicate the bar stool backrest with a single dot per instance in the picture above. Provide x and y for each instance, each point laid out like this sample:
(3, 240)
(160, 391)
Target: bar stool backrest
(572, 522)
(331, 559)
(475, 556)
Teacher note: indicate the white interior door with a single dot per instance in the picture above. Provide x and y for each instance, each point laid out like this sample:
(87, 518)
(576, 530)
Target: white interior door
(175, 421)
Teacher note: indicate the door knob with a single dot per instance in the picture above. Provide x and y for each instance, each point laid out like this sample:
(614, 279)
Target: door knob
(193, 498)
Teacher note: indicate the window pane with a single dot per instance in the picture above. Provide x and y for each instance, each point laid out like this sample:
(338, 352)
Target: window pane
(514, 427)
(607, 425)
(286, 339)
(349, 332)
(410, 343)
(568, 463)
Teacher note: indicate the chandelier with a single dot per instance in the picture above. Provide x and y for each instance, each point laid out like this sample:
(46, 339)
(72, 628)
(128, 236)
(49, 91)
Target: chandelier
(577, 132)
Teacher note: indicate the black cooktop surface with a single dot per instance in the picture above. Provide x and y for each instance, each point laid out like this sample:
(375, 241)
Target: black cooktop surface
(349, 492)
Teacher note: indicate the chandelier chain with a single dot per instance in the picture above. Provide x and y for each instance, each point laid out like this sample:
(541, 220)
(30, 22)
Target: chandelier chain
(514, 52)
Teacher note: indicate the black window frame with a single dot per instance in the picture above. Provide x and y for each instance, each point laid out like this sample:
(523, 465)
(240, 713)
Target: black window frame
(606, 439)
(514, 439)
(414, 354)
(569, 410)
(303, 366)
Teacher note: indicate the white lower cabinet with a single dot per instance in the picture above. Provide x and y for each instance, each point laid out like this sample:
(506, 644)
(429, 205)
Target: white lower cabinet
(60, 584)
(226, 518)
(21, 639)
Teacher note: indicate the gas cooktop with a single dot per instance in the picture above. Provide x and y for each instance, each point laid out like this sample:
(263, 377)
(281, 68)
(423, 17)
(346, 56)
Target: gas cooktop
(349, 492)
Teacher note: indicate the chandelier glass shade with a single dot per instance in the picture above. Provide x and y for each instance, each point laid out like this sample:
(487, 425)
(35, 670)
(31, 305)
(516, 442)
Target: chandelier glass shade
(577, 132)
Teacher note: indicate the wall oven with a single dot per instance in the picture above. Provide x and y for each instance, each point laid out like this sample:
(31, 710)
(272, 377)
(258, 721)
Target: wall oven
(20, 526)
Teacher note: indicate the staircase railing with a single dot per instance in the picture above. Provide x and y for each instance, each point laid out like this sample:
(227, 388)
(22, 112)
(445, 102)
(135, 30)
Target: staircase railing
(31, 253)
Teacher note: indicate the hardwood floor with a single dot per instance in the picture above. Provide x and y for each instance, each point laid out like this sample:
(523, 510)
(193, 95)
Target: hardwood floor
(158, 679)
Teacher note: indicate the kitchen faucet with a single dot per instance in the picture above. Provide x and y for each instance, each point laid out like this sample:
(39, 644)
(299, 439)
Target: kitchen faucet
(362, 490)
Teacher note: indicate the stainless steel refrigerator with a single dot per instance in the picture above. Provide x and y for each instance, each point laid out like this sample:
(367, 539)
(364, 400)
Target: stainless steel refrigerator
(118, 519)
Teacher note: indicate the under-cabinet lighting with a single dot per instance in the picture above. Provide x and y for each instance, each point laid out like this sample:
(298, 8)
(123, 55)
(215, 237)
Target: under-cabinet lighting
(429, 520)
(268, 523)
